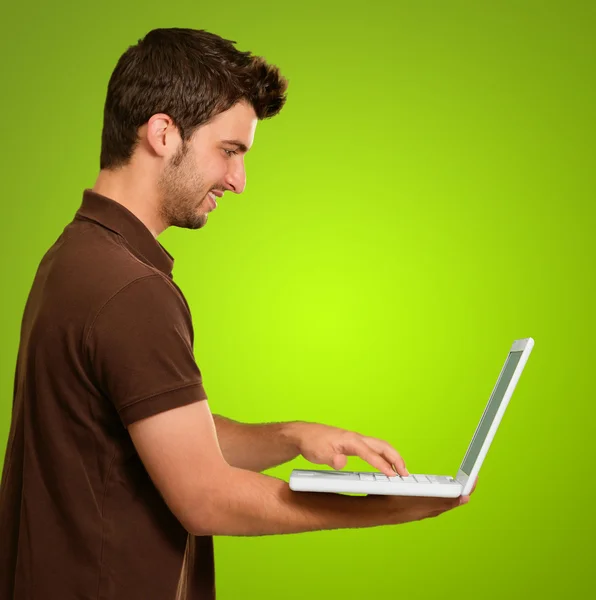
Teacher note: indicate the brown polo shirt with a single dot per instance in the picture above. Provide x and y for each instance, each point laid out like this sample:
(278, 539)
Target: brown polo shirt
(106, 340)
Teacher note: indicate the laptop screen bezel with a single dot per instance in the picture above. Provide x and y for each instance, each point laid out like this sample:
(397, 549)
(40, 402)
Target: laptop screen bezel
(525, 346)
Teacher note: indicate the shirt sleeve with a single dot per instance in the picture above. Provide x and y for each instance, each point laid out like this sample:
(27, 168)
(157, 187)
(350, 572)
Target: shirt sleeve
(140, 347)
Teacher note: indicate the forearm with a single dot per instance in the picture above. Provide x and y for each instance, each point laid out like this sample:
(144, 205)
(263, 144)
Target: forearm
(255, 447)
(252, 504)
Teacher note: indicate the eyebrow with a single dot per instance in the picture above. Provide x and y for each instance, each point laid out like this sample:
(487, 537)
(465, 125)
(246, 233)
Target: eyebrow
(240, 145)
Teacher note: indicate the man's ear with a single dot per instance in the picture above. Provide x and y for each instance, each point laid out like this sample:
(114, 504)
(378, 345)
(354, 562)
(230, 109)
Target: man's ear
(162, 135)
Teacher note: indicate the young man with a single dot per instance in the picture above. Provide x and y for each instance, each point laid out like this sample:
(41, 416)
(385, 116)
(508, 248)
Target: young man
(116, 474)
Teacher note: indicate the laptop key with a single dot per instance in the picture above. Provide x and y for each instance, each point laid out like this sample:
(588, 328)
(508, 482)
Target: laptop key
(409, 479)
(437, 479)
(442, 479)
(367, 477)
(421, 478)
(381, 477)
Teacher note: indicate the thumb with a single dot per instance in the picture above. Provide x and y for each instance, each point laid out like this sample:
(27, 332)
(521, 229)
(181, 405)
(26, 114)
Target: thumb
(339, 461)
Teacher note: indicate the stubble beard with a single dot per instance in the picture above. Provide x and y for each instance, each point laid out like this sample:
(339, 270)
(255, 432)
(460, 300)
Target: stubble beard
(181, 189)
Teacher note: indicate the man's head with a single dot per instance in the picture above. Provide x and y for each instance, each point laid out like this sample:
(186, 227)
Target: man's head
(181, 111)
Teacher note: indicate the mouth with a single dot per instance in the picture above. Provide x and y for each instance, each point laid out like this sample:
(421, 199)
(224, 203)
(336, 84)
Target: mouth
(211, 195)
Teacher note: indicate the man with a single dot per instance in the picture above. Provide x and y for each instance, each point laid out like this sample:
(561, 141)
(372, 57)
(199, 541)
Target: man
(116, 474)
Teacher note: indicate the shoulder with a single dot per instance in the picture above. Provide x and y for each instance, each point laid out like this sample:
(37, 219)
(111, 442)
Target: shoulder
(95, 265)
(147, 291)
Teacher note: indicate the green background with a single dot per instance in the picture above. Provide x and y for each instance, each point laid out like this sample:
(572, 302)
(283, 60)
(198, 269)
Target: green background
(425, 197)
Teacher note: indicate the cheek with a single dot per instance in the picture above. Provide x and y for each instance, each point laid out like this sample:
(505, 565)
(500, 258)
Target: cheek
(211, 174)
(209, 170)
(218, 176)
(217, 170)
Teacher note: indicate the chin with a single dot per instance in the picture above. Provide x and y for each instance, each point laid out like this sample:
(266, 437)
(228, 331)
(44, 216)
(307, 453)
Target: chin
(201, 222)
(194, 222)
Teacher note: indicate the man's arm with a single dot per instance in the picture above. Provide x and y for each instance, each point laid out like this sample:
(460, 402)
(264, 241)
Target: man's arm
(252, 504)
(181, 453)
(255, 447)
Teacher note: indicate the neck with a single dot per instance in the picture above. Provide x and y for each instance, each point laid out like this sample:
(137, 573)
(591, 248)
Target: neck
(135, 189)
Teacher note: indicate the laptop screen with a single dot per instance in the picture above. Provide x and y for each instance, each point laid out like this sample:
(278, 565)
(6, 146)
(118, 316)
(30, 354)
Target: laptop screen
(490, 412)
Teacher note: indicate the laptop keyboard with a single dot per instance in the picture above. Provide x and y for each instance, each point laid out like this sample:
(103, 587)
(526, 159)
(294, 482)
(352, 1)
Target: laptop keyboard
(428, 479)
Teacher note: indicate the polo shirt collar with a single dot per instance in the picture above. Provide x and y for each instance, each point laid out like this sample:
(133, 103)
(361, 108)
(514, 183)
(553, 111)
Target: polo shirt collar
(117, 218)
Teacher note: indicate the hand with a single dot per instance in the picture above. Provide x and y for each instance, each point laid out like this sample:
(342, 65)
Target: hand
(327, 445)
(404, 509)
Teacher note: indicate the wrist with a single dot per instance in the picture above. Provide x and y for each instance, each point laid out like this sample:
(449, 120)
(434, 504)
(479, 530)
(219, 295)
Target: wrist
(292, 433)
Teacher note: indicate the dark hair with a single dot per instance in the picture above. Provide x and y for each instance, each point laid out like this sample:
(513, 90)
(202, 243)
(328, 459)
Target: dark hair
(191, 75)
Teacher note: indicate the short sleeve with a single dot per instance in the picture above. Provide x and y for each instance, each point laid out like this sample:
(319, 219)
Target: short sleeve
(140, 348)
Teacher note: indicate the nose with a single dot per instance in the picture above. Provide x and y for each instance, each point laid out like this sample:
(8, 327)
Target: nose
(236, 176)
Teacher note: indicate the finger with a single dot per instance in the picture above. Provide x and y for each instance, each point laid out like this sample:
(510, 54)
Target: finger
(474, 486)
(356, 447)
(389, 453)
(338, 462)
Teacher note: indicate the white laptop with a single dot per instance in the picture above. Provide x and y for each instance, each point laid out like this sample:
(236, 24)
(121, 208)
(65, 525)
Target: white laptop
(442, 486)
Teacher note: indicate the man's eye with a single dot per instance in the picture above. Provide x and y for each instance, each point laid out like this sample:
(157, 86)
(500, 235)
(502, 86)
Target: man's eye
(230, 152)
